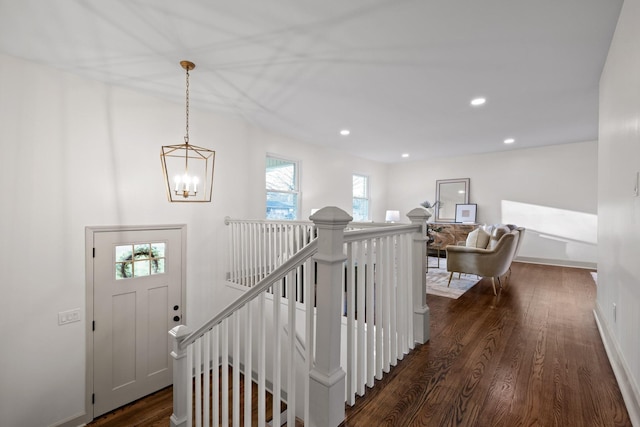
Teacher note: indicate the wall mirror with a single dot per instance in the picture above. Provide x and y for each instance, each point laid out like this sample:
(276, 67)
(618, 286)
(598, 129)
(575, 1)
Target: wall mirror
(450, 192)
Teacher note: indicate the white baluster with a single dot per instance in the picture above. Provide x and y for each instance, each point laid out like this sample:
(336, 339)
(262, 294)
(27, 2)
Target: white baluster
(393, 304)
(247, 364)
(360, 296)
(386, 300)
(206, 362)
(351, 362)
(235, 339)
(402, 299)
(197, 350)
(277, 353)
(369, 315)
(231, 249)
(224, 366)
(261, 361)
(409, 293)
(378, 283)
(291, 377)
(189, 392)
(215, 383)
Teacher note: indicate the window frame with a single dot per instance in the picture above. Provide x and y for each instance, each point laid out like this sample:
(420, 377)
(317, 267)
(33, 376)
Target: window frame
(366, 198)
(295, 191)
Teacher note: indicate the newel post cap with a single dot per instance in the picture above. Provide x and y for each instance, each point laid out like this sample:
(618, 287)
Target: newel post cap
(419, 215)
(180, 331)
(331, 215)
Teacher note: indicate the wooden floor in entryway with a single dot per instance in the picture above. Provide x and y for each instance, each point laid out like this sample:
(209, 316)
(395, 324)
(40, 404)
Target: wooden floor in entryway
(151, 411)
(156, 409)
(531, 356)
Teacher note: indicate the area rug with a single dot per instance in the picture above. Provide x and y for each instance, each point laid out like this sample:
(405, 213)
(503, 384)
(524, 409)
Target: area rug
(437, 278)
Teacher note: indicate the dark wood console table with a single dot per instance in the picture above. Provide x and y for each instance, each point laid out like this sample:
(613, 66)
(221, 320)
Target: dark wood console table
(450, 234)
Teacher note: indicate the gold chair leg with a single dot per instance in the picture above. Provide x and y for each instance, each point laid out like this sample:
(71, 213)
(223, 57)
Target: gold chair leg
(493, 283)
(450, 277)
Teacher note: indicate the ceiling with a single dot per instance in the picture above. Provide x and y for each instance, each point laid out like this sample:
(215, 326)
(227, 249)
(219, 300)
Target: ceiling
(399, 74)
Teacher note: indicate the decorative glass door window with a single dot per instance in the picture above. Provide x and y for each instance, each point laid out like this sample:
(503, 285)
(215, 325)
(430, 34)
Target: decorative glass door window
(139, 260)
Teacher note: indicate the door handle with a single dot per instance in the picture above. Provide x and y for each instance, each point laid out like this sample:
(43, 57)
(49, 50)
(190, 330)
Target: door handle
(175, 308)
(176, 318)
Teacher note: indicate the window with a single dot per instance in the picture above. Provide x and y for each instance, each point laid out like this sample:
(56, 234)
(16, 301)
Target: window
(137, 260)
(282, 188)
(360, 198)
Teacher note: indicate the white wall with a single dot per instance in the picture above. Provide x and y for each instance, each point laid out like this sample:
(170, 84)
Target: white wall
(325, 178)
(619, 205)
(549, 190)
(77, 153)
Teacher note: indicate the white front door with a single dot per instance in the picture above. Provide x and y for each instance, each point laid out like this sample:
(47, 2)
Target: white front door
(137, 299)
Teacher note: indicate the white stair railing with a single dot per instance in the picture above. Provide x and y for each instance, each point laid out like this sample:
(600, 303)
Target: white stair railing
(257, 247)
(239, 339)
(368, 284)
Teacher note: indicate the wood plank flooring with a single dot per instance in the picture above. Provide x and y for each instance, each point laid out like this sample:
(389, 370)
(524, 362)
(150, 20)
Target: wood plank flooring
(531, 356)
(156, 409)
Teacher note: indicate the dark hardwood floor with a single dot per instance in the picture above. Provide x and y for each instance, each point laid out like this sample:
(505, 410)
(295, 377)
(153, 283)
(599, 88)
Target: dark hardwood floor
(531, 356)
(156, 409)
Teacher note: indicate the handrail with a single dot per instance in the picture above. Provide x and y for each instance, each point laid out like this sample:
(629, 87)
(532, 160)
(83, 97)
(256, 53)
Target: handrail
(228, 220)
(353, 235)
(382, 310)
(278, 273)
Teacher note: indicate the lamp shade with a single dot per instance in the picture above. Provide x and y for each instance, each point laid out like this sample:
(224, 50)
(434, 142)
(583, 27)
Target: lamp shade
(392, 216)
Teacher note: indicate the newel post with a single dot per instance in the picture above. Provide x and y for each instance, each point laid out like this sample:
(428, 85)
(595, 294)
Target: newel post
(419, 276)
(180, 377)
(327, 379)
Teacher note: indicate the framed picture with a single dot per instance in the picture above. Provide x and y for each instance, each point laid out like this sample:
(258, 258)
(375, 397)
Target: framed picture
(466, 212)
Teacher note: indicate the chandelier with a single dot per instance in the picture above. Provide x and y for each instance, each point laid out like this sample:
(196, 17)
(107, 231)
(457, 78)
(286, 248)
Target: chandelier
(188, 169)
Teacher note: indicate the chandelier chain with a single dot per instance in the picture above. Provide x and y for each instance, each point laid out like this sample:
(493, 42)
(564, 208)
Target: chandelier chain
(186, 137)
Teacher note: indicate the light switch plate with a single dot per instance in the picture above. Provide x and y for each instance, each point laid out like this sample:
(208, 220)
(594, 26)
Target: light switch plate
(69, 316)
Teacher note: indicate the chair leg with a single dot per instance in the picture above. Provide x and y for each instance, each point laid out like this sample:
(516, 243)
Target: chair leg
(450, 277)
(493, 283)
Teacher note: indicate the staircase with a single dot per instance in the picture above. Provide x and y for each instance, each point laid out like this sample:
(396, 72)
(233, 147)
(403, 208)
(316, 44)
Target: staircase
(325, 313)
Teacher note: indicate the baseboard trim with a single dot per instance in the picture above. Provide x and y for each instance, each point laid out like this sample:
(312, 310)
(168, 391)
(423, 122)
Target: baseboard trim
(621, 371)
(558, 262)
(80, 419)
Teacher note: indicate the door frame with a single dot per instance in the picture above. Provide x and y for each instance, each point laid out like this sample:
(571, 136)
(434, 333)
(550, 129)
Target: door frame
(89, 234)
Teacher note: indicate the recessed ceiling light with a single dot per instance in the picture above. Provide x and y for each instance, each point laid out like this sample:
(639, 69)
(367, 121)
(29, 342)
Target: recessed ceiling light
(405, 155)
(476, 102)
(345, 132)
(509, 141)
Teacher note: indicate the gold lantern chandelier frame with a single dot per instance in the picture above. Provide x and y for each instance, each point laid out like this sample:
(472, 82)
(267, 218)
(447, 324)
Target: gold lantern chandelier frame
(188, 169)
